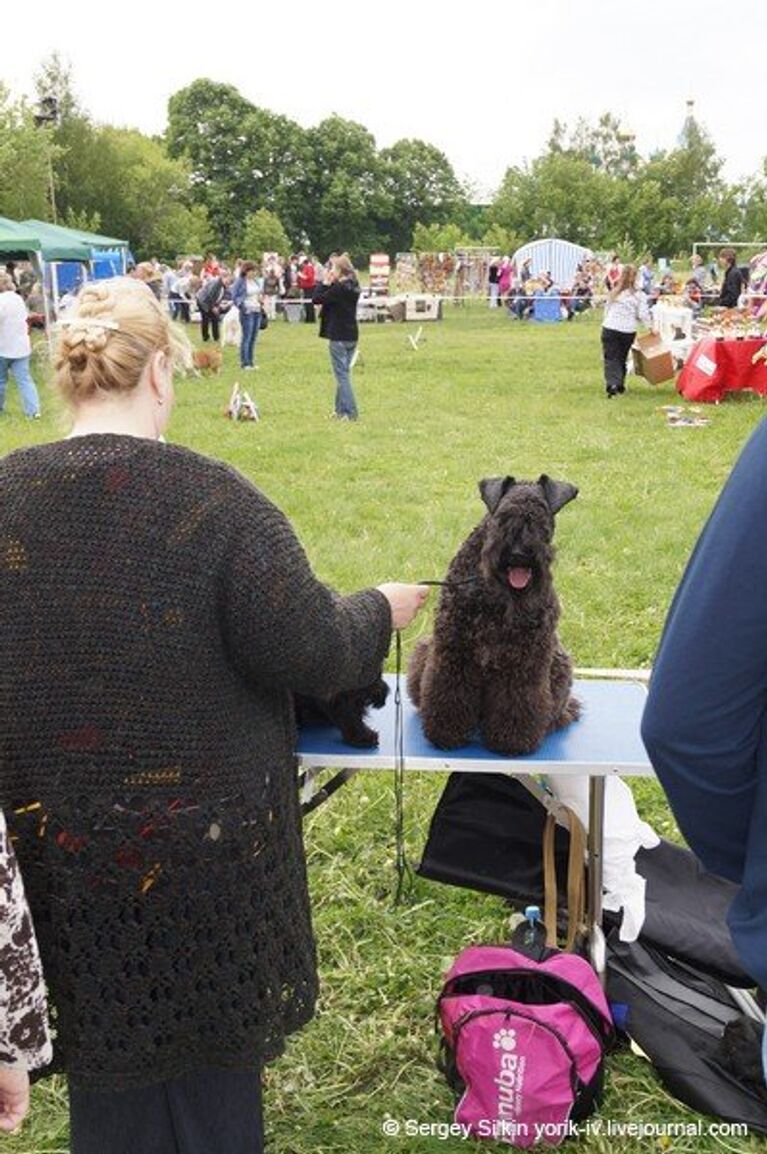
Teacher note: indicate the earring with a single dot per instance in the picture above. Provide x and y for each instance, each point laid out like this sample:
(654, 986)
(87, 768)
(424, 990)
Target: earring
(161, 400)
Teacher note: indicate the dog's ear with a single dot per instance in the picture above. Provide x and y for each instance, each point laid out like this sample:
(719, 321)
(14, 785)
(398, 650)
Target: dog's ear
(557, 493)
(493, 488)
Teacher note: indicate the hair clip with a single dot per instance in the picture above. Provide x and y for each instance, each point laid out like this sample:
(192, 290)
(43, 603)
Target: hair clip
(86, 323)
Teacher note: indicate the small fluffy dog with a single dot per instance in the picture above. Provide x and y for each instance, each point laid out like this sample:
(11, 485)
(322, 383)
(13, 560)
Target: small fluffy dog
(346, 711)
(495, 662)
(207, 360)
(231, 329)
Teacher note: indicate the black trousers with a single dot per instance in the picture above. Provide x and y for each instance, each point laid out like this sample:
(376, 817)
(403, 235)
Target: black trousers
(615, 349)
(205, 1112)
(309, 315)
(209, 323)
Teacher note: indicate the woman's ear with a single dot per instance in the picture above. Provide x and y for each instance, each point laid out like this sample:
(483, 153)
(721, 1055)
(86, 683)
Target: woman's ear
(160, 377)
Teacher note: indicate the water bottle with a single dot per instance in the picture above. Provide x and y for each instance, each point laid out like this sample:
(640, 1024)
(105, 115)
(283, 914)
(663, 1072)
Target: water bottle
(530, 935)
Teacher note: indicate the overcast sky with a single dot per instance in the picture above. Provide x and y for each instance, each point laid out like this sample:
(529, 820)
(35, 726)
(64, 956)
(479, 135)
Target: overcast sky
(481, 81)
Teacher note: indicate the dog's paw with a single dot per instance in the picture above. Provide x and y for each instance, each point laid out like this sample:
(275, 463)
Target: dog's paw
(571, 712)
(360, 738)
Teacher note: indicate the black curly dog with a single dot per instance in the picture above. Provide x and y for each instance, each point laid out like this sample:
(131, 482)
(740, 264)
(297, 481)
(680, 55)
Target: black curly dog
(494, 663)
(346, 711)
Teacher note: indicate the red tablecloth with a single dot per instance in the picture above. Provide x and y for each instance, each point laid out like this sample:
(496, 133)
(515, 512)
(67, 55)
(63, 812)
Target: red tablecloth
(714, 368)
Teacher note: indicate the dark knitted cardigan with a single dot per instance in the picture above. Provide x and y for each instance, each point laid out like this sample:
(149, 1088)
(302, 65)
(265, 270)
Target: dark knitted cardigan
(156, 611)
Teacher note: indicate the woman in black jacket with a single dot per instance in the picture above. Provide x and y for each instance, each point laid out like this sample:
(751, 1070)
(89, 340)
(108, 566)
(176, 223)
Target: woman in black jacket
(732, 285)
(338, 295)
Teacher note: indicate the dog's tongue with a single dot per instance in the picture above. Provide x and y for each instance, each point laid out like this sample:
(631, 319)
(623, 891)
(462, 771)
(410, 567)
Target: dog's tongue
(519, 578)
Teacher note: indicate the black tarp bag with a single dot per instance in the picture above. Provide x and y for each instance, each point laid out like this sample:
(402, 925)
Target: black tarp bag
(487, 834)
(706, 1051)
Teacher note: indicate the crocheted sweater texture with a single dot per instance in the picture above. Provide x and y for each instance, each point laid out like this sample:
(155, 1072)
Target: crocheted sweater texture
(156, 614)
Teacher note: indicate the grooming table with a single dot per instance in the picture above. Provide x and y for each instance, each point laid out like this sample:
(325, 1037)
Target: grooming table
(604, 741)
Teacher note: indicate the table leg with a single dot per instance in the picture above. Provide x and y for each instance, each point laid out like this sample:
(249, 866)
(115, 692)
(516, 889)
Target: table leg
(311, 798)
(595, 856)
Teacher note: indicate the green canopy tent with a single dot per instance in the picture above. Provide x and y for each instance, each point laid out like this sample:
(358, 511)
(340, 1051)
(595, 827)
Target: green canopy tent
(20, 242)
(56, 244)
(17, 241)
(93, 240)
(103, 252)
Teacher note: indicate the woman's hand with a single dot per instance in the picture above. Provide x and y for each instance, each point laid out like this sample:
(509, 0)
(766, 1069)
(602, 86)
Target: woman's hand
(14, 1098)
(405, 602)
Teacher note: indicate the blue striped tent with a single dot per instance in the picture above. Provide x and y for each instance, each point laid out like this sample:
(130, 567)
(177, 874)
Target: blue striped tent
(559, 257)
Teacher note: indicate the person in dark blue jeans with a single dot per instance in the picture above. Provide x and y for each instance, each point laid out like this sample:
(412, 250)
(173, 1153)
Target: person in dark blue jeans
(247, 296)
(338, 295)
(705, 722)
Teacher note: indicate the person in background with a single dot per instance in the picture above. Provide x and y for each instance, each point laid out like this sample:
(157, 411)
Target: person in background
(646, 276)
(148, 744)
(505, 279)
(247, 297)
(146, 272)
(493, 272)
(25, 1042)
(210, 266)
(210, 297)
(699, 272)
(273, 288)
(732, 285)
(625, 308)
(521, 301)
(613, 272)
(16, 348)
(182, 294)
(705, 721)
(338, 295)
(667, 286)
(693, 296)
(306, 283)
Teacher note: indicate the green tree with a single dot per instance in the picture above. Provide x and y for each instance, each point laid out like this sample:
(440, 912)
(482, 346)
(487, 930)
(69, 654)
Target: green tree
(440, 238)
(242, 158)
(344, 195)
(421, 187)
(26, 153)
(496, 236)
(606, 146)
(143, 195)
(263, 232)
(558, 195)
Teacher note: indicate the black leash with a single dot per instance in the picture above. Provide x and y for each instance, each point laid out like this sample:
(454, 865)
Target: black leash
(405, 875)
(450, 584)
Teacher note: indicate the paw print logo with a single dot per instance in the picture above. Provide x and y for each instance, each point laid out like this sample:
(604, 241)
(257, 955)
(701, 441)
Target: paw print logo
(505, 1040)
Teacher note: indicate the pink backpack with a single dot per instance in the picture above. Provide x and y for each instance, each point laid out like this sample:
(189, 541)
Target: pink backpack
(523, 1043)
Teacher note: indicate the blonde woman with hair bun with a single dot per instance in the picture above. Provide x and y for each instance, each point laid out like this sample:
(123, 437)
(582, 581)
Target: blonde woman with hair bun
(157, 614)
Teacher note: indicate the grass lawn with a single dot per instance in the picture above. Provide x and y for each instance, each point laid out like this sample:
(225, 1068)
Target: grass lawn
(391, 498)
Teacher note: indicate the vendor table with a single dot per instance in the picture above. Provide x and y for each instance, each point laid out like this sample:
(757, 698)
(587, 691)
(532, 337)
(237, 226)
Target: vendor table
(718, 366)
(604, 741)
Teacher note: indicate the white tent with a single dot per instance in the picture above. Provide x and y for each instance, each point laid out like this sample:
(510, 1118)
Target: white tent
(559, 257)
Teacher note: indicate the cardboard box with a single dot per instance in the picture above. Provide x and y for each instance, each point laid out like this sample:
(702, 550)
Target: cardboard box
(653, 359)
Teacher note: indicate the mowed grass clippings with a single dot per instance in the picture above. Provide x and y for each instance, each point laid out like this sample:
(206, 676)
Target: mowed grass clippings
(391, 498)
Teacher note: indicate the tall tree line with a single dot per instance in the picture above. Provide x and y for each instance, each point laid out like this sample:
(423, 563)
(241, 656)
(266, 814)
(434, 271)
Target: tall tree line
(230, 175)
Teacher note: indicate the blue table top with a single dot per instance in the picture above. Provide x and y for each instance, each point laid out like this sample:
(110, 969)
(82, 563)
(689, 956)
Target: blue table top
(604, 740)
